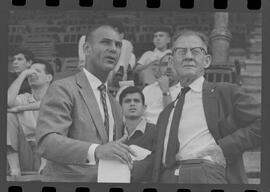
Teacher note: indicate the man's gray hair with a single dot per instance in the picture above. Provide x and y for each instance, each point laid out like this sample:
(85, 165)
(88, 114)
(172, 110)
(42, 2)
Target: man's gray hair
(187, 32)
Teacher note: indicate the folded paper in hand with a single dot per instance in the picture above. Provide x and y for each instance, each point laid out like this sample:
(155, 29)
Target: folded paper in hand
(113, 171)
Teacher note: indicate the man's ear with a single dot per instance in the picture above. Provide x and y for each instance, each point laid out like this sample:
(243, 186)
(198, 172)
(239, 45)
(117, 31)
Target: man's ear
(49, 77)
(87, 49)
(29, 63)
(207, 61)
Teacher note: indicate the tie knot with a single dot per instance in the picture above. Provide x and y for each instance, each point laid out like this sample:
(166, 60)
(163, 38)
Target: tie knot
(184, 90)
(102, 88)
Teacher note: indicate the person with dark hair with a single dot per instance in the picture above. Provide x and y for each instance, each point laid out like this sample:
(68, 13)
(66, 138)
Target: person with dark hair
(140, 132)
(163, 91)
(22, 59)
(23, 110)
(161, 40)
(79, 122)
(203, 133)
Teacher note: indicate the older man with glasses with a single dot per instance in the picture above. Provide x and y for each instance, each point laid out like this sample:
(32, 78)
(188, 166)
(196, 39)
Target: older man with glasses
(204, 132)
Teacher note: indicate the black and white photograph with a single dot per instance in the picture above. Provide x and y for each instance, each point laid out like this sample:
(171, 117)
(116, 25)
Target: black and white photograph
(134, 97)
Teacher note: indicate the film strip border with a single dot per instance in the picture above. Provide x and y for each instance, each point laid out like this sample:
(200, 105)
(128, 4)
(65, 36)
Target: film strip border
(184, 4)
(120, 189)
(214, 5)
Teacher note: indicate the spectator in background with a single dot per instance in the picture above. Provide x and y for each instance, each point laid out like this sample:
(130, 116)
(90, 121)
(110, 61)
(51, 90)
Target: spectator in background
(161, 41)
(140, 132)
(127, 59)
(163, 91)
(81, 54)
(23, 110)
(22, 60)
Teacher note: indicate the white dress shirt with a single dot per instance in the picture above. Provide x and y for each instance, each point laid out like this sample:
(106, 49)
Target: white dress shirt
(95, 83)
(193, 132)
(154, 100)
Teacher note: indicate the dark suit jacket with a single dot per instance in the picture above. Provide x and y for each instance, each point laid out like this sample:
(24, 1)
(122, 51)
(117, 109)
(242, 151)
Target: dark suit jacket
(234, 120)
(142, 170)
(69, 122)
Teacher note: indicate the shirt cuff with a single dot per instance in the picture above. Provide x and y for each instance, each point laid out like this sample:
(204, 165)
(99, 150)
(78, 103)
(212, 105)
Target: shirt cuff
(91, 154)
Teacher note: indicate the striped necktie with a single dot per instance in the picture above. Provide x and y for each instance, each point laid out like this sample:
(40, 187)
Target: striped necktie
(102, 89)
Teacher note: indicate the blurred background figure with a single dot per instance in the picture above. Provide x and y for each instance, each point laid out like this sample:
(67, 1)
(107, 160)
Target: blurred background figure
(22, 60)
(161, 41)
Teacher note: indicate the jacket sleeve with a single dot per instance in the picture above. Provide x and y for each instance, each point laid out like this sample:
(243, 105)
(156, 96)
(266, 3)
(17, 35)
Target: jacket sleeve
(246, 115)
(53, 125)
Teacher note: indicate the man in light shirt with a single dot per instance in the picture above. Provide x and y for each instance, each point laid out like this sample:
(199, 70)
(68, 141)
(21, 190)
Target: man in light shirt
(161, 42)
(203, 134)
(163, 91)
(79, 122)
(23, 110)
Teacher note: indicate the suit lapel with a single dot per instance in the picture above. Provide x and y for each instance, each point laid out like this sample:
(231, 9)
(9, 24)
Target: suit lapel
(92, 105)
(117, 118)
(210, 105)
(162, 127)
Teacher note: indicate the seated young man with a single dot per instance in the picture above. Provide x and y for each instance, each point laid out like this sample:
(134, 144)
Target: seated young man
(139, 131)
(23, 110)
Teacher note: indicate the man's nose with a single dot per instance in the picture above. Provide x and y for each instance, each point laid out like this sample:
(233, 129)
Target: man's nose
(189, 54)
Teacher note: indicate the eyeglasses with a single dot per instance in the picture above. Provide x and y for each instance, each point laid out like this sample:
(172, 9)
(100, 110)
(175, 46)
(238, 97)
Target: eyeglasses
(195, 51)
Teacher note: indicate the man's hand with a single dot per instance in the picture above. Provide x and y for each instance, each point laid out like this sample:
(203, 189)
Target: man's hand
(163, 83)
(116, 150)
(28, 72)
(215, 152)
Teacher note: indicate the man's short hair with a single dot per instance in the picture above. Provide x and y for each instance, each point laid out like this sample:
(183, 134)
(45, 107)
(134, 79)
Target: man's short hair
(89, 34)
(163, 29)
(29, 56)
(116, 23)
(186, 32)
(130, 90)
(47, 65)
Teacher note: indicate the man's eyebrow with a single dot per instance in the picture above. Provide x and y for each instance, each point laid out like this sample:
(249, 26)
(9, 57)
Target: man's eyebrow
(108, 39)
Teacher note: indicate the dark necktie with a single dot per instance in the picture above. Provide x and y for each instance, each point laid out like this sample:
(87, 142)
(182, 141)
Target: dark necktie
(102, 89)
(173, 143)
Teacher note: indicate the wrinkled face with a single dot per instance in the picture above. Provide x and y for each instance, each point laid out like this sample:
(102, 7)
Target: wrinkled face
(103, 50)
(133, 106)
(166, 68)
(161, 40)
(19, 63)
(40, 77)
(190, 57)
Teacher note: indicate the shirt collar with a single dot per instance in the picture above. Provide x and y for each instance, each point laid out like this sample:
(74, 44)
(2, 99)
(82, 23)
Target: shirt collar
(93, 80)
(140, 127)
(197, 84)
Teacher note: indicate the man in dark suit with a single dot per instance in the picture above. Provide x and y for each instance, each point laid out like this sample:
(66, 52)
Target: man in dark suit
(140, 132)
(204, 132)
(79, 122)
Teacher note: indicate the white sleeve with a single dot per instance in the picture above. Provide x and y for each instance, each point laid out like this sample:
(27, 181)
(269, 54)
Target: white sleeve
(144, 58)
(91, 154)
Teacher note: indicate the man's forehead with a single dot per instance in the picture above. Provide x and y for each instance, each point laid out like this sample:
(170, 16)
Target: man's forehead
(135, 95)
(38, 65)
(160, 33)
(106, 33)
(189, 40)
(19, 55)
